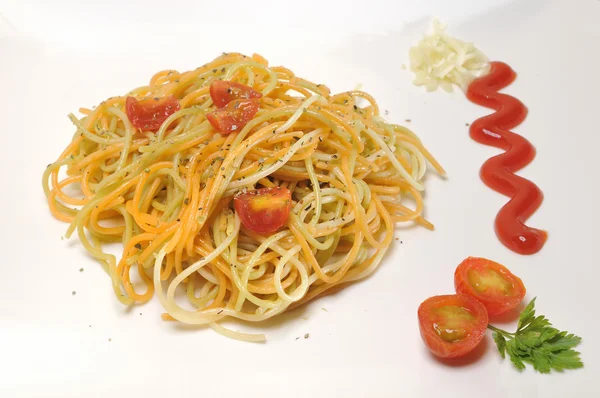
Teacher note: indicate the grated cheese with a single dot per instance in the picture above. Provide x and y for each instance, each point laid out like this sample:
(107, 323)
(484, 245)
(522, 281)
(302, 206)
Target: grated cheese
(439, 60)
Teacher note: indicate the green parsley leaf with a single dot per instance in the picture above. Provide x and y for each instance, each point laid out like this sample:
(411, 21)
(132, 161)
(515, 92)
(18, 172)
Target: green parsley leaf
(526, 340)
(536, 324)
(568, 359)
(537, 343)
(561, 341)
(541, 361)
(515, 355)
(500, 343)
(527, 315)
(548, 333)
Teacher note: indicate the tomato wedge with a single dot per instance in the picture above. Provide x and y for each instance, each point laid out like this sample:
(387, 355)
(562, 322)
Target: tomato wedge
(149, 114)
(223, 92)
(490, 283)
(452, 325)
(234, 116)
(264, 210)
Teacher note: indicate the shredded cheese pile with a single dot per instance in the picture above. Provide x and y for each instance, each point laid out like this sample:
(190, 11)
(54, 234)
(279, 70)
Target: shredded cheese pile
(439, 60)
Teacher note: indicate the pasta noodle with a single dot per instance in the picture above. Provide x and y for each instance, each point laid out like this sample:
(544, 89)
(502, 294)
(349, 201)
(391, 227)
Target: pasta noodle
(166, 195)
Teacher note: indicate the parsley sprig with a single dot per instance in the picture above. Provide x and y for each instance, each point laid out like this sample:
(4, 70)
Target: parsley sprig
(538, 343)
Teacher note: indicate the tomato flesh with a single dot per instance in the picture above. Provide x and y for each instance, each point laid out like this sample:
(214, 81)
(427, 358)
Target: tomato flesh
(490, 283)
(452, 325)
(234, 116)
(264, 210)
(149, 114)
(223, 92)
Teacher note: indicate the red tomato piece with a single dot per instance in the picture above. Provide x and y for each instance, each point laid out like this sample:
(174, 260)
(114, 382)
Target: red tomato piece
(490, 283)
(264, 210)
(234, 116)
(223, 92)
(149, 114)
(452, 325)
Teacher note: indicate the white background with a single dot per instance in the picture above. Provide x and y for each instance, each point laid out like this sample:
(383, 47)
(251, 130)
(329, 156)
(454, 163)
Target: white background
(56, 56)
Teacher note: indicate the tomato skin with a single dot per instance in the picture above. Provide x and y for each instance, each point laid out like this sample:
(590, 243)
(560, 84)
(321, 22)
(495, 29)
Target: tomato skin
(497, 300)
(264, 210)
(223, 92)
(436, 344)
(234, 116)
(149, 114)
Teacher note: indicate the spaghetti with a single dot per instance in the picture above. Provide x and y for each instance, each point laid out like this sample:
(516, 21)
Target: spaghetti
(167, 194)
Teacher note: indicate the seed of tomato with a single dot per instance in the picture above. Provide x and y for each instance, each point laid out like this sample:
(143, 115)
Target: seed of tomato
(264, 210)
(452, 325)
(492, 284)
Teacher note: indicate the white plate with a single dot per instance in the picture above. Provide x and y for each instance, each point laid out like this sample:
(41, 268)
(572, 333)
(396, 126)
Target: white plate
(56, 57)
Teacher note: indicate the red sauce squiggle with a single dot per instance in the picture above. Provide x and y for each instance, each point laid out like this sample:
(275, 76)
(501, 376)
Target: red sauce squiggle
(498, 172)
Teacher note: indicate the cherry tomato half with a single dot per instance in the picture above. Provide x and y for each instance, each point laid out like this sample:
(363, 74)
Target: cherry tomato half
(234, 116)
(150, 114)
(223, 92)
(490, 283)
(452, 325)
(264, 210)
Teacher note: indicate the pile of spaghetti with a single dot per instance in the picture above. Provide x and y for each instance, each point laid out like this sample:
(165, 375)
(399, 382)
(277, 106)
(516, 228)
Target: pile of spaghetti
(167, 191)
